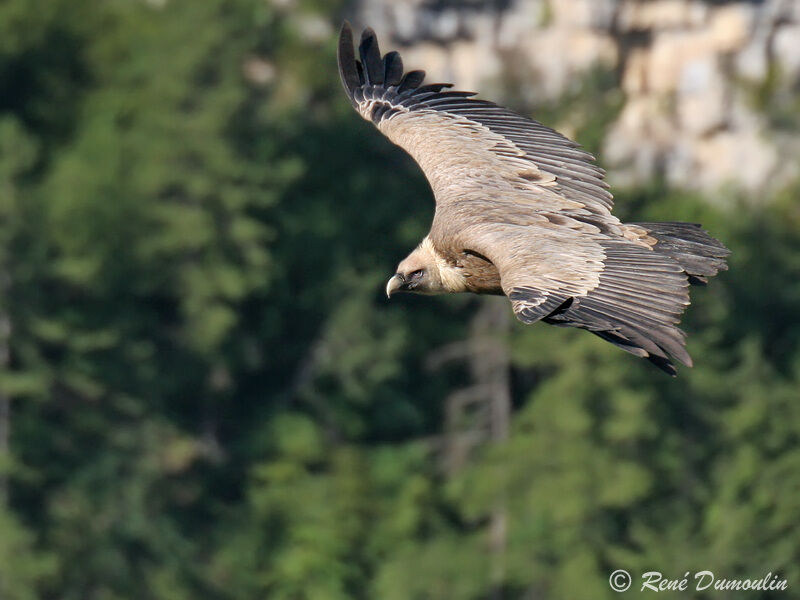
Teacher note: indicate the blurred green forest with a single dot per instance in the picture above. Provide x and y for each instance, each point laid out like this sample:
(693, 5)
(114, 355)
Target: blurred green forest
(204, 394)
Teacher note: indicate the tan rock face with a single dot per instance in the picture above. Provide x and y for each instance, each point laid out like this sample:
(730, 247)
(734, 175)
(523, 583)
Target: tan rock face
(730, 27)
(664, 14)
(786, 45)
(686, 68)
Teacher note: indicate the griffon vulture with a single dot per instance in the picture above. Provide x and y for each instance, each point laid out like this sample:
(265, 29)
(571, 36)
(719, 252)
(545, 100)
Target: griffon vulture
(523, 211)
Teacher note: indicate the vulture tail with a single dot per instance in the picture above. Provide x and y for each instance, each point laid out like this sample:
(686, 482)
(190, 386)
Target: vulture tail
(700, 255)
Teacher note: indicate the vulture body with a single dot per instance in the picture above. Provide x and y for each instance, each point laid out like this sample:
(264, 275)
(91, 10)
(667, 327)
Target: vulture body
(523, 211)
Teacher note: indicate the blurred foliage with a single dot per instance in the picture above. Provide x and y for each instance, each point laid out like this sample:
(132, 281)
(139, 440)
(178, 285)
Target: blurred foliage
(775, 97)
(210, 398)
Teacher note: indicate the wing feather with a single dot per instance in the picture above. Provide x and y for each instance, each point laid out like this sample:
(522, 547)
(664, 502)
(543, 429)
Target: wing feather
(393, 69)
(411, 81)
(349, 67)
(371, 57)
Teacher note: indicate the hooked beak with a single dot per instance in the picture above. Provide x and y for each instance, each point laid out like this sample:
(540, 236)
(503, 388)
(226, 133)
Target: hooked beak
(394, 284)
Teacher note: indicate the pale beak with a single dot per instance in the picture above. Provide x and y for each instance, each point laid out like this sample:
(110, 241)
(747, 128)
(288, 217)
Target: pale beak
(394, 284)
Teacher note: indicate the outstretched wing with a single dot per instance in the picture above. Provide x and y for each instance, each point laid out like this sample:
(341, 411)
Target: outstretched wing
(505, 186)
(625, 293)
(467, 146)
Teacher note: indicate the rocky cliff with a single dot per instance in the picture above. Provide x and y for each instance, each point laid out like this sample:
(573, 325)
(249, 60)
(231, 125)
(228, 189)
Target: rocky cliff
(709, 89)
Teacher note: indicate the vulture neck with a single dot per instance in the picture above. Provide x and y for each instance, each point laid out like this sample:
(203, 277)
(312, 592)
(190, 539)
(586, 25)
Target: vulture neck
(451, 277)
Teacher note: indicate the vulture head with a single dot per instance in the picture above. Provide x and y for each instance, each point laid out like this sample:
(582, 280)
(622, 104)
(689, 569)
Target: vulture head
(418, 273)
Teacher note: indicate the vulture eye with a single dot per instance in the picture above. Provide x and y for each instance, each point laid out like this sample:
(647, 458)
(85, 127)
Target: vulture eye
(416, 274)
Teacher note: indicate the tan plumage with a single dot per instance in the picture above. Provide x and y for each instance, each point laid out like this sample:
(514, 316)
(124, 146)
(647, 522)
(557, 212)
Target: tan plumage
(523, 211)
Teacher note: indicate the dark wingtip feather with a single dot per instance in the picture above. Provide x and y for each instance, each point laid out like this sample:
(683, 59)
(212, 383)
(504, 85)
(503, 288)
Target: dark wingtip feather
(411, 81)
(348, 67)
(664, 364)
(393, 68)
(371, 57)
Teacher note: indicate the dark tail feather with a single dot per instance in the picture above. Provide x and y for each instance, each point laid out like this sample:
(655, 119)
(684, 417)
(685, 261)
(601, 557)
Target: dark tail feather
(700, 255)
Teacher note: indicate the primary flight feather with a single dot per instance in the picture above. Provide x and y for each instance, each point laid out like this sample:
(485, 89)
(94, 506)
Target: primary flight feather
(523, 211)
